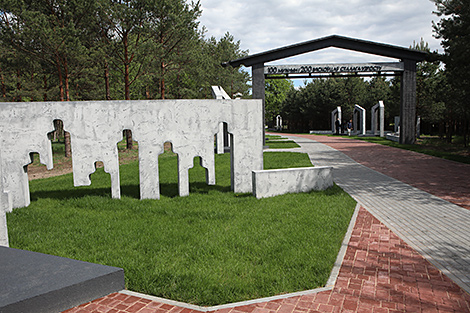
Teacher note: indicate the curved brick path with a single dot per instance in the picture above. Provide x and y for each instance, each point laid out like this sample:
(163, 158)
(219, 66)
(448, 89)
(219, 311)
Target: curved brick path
(380, 272)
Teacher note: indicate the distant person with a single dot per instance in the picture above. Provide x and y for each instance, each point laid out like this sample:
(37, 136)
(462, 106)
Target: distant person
(349, 126)
(338, 126)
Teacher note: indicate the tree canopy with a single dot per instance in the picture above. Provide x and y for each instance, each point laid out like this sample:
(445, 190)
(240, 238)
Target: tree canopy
(111, 49)
(454, 30)
(157, 49)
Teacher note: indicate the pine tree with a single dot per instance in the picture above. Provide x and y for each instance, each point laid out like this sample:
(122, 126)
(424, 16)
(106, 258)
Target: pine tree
(454, 30)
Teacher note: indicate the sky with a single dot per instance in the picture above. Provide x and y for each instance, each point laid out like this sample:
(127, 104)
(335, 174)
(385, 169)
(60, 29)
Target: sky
(262, 25)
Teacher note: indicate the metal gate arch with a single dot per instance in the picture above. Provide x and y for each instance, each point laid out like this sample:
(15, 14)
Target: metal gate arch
(408, 59)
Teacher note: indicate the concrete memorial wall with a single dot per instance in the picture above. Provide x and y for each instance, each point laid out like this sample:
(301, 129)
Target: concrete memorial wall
(96, 127)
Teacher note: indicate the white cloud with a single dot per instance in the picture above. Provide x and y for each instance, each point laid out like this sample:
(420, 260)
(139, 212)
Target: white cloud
(262, 25)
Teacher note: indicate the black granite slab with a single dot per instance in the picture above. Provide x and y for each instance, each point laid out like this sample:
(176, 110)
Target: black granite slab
(36, 282)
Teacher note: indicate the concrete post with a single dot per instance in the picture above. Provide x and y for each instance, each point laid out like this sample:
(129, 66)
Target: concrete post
(408, 103)
(382, 118)
(258, 91)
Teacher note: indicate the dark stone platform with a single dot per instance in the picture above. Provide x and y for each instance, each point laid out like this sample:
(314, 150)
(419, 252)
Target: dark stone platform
(36, 282)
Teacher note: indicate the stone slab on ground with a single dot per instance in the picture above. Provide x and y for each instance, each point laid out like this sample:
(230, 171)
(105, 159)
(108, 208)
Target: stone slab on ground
(270, 183)
(37, 282)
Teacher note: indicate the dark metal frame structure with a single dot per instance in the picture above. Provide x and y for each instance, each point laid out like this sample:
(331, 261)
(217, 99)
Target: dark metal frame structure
(409, 57)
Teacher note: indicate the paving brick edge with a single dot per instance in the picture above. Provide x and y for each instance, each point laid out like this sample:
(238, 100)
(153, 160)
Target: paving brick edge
(329, 284)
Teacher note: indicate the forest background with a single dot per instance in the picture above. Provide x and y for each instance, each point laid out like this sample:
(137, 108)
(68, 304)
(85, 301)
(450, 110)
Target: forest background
(72, 50)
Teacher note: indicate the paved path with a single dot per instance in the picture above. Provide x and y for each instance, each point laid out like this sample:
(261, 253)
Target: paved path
(380, 271)
(436, 228)
(446, 179)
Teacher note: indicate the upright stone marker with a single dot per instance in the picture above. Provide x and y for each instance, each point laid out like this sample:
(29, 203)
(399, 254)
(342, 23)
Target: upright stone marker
(222, 137)
(396, 123)
(278, 122)
(378, 117)
(335, 114)
(359, 121)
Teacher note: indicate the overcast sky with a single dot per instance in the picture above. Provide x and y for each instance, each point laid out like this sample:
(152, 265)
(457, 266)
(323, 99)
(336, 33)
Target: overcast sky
(261, 25)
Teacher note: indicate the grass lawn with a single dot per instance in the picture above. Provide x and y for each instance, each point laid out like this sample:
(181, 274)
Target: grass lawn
(427, 145)
(278, 142)
(211, 247)
(281, 144)
(274, 137)
(430, 145)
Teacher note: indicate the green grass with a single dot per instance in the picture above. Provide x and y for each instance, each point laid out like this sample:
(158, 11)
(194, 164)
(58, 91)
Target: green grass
(435, 147)
(208, 248)
(278, 144)
(274, 137)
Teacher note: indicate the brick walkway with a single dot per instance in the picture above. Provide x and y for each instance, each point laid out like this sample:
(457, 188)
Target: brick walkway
(445, 179)
(380, 273)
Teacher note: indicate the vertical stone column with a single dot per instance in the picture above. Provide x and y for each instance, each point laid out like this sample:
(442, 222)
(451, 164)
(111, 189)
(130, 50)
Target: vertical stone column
(382, 118)
(408, 103)
(378, 116)
(148, 169)
(359, 127)
(335, 114)
(258, 91)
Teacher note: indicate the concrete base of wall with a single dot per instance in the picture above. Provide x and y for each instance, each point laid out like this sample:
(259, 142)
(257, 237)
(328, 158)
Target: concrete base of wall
(270, 183)
(321, 132)
(36, 282)
(393, 137)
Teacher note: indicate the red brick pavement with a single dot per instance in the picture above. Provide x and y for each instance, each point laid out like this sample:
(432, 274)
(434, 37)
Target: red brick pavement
(443, 178)
(380, 272)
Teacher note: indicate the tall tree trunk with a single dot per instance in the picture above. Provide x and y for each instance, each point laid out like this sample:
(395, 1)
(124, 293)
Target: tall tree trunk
(106, 80)
(129, 143)
(126, 67)
(449, 130)
(61, 82)
(147, 93)
(162, 80)
(68, 148)
(4, 88)
(45, 88)
(32, 79)
(18, 85)
(67, 143)
(67, 78)
(465, 131)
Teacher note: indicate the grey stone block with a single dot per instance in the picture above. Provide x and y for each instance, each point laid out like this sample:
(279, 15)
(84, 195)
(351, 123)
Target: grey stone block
(270, 183)
(36, 282)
